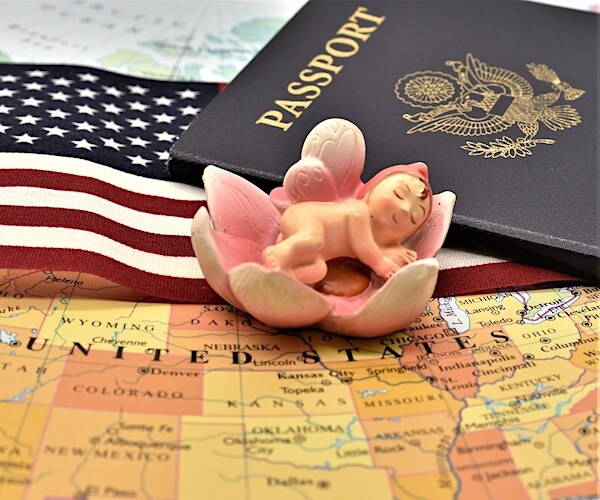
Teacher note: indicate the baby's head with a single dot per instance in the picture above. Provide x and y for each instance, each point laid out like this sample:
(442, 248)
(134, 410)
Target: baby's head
(399, 197)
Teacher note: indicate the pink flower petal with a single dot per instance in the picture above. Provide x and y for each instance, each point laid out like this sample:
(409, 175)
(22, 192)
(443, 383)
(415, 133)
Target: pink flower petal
(231, 251)
(428, 240)
(280, 199)
(238, 208)
(276, 298)
(395, 305)
(208, 255)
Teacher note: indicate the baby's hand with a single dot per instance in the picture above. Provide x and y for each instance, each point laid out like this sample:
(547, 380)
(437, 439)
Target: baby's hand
(401, 255)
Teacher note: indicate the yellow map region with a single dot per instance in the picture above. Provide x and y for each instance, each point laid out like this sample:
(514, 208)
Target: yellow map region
(106, 395)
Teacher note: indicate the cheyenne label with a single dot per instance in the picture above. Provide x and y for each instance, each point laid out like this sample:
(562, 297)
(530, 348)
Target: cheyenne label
(360, 27)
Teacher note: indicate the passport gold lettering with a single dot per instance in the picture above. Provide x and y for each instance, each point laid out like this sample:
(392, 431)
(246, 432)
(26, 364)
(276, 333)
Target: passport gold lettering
(308, 75)
(291, 106)
(324, 61)
(296, 88)
(342, 42)
(361, 13)
(356, 30)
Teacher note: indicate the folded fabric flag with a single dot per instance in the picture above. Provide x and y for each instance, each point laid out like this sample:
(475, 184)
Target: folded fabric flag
(84, 185)
(83, 178)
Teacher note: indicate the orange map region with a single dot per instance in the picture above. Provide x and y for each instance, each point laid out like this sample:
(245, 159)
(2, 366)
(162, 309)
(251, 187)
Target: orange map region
(107, 395)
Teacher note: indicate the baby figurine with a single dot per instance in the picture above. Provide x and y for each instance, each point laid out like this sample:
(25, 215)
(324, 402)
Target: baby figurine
(325, 249)
(369, 226)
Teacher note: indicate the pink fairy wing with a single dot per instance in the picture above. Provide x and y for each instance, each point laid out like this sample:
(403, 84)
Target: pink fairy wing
(332, 160)
(239, 209)
(339, 146)
(309, 180)
(430, 237)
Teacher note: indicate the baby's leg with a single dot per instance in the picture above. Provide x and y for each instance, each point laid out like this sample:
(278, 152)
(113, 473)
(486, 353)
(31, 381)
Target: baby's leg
(311, 273)
(297, 256)
(294, 250)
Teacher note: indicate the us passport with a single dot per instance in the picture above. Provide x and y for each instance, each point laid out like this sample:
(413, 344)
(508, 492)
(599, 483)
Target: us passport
(499, 98)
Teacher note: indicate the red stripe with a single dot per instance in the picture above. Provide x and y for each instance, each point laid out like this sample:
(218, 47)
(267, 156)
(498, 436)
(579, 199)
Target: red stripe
(176, 246)
(160, 287)
(489, 277)
(459, 281)
(76, 183)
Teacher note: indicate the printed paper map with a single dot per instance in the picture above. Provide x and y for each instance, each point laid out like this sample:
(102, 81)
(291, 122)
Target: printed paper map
(121, 398)
(209, 41)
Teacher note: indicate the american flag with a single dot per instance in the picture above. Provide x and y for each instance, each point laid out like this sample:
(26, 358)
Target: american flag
(84, 185)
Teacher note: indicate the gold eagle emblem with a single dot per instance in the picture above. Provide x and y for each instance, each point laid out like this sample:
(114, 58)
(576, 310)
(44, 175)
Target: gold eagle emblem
(481, 100)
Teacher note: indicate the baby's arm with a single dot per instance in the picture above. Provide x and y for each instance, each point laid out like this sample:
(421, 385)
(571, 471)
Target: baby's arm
(362, 243)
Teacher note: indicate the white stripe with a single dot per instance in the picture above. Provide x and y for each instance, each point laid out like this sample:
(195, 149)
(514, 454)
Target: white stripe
(450, 258)
(86, 168)
(180, 267)
(77, 239)
(23, 196)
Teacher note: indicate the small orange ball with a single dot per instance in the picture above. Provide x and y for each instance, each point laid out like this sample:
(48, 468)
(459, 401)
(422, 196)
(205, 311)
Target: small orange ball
(345, 277)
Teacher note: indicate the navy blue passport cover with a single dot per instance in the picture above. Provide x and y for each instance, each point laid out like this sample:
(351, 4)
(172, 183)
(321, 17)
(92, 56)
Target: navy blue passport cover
(499, 98)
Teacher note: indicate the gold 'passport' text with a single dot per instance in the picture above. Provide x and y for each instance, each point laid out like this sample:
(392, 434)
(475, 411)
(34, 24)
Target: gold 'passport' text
(319, 72)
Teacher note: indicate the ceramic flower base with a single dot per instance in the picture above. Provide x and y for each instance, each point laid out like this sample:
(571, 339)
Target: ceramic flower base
(231, 242)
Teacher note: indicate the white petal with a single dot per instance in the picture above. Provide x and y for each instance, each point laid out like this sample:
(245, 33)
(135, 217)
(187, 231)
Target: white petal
(394, 306)
(238, 208)
(207, 253)
(276, 298)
